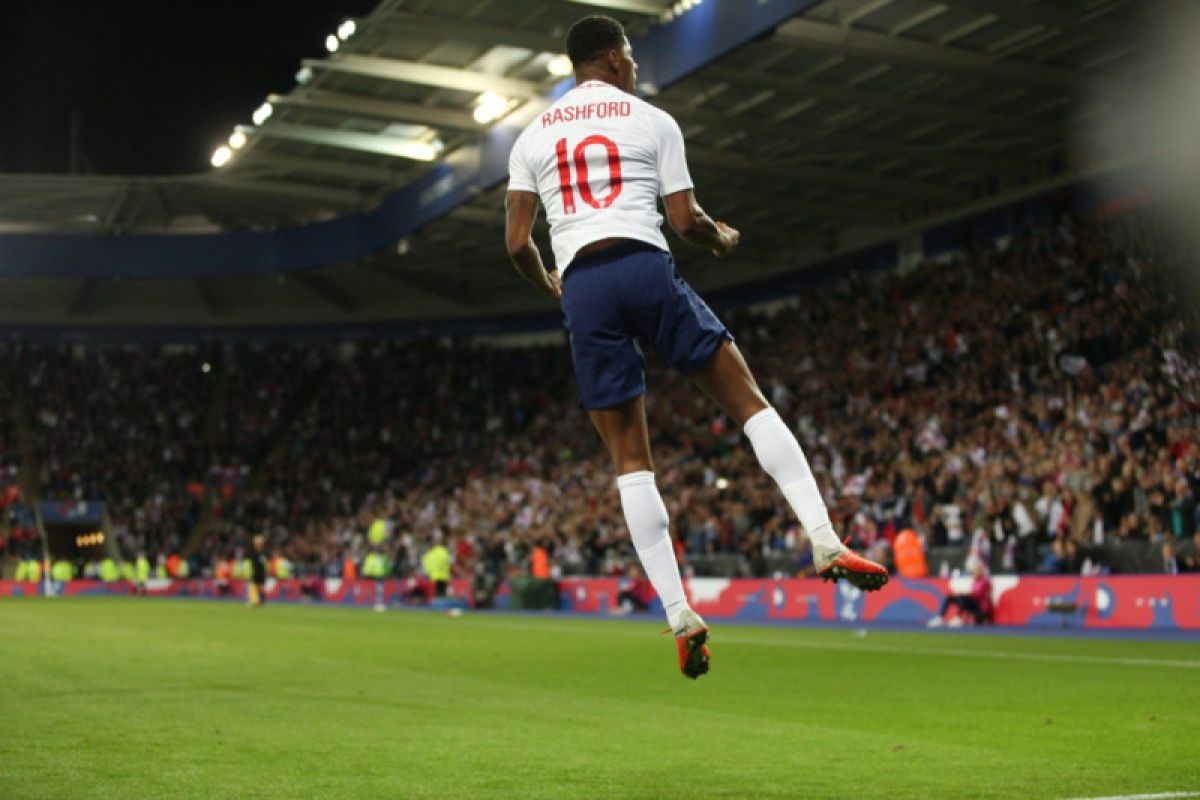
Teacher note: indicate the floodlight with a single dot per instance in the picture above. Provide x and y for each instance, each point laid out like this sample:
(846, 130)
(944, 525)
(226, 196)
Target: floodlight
(559, 66)
(490, 107)
(262, 113)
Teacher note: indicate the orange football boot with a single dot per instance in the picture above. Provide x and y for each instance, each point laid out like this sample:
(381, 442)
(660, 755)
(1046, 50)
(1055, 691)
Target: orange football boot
(861, 572)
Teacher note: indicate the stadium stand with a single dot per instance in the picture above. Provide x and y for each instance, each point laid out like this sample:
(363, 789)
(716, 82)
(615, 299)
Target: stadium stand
(1050, 393)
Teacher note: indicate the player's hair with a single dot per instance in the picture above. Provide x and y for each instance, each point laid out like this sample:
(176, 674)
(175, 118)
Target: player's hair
(591, 37)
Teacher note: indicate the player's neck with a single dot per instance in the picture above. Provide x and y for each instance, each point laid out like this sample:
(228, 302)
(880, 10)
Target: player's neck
(587, 75)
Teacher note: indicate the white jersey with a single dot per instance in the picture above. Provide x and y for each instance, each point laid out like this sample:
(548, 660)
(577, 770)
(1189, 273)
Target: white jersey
(599, 159)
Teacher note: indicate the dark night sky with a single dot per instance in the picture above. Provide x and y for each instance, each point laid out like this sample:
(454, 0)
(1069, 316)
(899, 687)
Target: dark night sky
(158, 83)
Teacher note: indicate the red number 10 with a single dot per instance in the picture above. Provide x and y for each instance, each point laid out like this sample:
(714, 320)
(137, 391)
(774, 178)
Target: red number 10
(581, 170)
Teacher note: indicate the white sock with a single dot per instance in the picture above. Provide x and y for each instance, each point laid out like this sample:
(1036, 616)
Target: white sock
(649, 527)
(780, 455)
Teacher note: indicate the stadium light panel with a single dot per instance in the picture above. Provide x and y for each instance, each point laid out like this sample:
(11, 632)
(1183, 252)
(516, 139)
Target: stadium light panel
(418, 151)
(221, 156)
(347, 29)
(262, 113)
(237, 140)
(559, 66)
(332, 42)
(490, 107)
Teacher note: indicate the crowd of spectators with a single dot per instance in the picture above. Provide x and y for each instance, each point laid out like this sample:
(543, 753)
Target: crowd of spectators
(1033, 401)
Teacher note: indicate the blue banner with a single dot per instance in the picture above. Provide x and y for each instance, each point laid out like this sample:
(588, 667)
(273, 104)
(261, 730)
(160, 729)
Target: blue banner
(71, 512)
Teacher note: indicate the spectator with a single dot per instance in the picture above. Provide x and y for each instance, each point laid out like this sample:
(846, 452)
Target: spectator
(974, 606)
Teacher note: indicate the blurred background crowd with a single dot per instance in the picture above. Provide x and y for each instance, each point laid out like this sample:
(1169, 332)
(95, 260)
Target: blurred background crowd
(1031, 403)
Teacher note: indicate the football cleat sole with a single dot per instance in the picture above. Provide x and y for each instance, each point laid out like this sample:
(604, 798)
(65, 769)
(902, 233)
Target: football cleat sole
(693, 653)
(859, 572)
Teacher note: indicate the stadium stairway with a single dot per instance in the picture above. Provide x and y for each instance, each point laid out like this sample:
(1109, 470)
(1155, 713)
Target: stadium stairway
(28, 471)
(218, 402)
(271, 449)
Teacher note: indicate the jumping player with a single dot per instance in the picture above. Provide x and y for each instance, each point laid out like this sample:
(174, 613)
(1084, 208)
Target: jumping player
(599, 159)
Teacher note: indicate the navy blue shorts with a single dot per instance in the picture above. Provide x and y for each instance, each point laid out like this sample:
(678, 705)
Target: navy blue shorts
(624, 295)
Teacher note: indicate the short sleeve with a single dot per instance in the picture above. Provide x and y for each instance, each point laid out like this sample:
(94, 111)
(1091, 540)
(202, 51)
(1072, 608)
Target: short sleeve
(672, 162)
(520, 177)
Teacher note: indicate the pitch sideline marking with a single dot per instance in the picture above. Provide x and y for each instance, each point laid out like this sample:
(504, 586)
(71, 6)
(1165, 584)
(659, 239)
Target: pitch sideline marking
(960, 652)
(1160, 796)
(957, 652)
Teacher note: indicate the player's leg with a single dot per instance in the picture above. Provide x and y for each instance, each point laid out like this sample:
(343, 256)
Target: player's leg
(597, 300)
(624, 431)
(727, 379)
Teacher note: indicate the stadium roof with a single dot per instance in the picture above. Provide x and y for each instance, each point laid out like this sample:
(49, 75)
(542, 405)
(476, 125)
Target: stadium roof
(841, 123)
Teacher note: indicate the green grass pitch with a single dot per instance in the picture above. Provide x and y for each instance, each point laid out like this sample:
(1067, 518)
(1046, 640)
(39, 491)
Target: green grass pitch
(132, 697)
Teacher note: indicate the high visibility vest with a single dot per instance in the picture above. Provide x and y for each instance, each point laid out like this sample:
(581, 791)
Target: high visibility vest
(62, 571)
(910, 556)
(540, 563)
(142, 569)
(23, 570)
(108, 571)
(375, 566)
(283, 568)
(35, 570)
(377, 533)
(436, 563)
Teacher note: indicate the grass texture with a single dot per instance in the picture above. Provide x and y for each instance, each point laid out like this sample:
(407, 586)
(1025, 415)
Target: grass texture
(144, 697)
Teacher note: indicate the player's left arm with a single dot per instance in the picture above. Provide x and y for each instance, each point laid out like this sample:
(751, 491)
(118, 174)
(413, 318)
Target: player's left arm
(521, 212)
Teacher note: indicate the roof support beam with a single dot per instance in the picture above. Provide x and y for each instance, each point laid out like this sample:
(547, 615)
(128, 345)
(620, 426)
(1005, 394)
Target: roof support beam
(207, 296)
(390, 69)
(303, 191)
(454, 291)
(725, 160)
(372, 108)
(85, 297)
(802, 136)
(900, 103)
(823, 37)
(479, 216)
(636, 6)
(328, 291)
(428, 26)
(262, 163)
(114, 211)
(346, 140)
(1060, 18)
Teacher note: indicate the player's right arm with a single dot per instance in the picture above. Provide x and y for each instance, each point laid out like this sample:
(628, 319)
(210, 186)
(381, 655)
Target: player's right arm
(693, 225)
